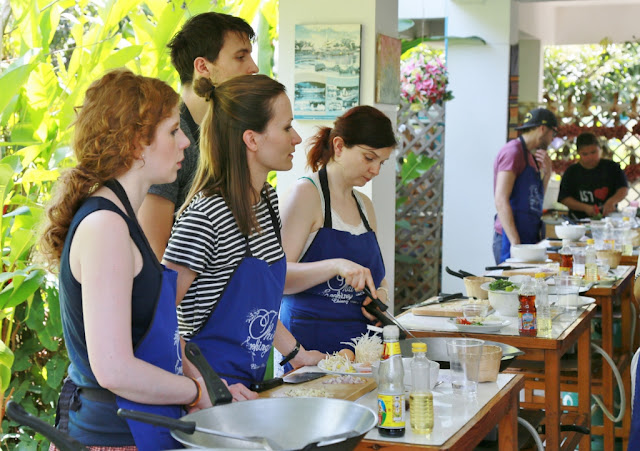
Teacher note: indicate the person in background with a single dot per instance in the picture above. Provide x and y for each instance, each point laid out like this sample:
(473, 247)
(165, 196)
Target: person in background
(214, 46)
(592, 185)
(329, 233)
(116, 301)
(521, 172)
(226, 244)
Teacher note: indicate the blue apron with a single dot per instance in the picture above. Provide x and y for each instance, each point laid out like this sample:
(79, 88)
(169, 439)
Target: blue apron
(238, 335)
(526, 201)
(329, 313)
(634, 434)
(160, 347)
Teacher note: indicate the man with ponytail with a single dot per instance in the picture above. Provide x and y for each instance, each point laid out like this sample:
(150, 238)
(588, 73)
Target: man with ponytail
(216, 47)
(328, 231)
(117, 302)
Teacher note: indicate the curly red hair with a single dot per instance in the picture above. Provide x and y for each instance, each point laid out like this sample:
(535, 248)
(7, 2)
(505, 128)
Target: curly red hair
(120, 113)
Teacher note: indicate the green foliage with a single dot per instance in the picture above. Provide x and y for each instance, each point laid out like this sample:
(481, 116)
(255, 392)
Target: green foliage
(53, 51)
(600, 71)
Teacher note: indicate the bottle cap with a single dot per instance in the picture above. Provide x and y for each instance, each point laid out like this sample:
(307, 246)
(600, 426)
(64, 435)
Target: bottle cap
(590, 241)
(390, 332)
(419, 347)
(540, 275)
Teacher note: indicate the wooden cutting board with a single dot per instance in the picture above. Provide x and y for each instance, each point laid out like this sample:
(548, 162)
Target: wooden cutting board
(449, 309)
(350, 392)
(528, 272)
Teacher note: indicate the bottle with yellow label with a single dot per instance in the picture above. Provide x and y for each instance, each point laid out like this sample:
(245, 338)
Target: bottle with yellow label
(391, 422)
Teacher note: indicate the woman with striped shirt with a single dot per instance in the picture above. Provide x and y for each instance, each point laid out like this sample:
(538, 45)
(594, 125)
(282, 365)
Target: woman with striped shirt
(226, 243)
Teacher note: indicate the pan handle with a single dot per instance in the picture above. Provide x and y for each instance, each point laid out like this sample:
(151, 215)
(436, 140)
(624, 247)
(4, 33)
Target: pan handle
(453, 273)
(64, 443)
(188, 427)
(218, 391)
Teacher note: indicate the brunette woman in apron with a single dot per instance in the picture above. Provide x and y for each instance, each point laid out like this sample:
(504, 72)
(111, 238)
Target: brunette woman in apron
(226, 244)
(329, 233)
(117, 302)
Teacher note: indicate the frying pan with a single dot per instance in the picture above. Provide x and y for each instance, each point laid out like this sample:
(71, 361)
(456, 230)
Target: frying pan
(437, 350)
(292, 423)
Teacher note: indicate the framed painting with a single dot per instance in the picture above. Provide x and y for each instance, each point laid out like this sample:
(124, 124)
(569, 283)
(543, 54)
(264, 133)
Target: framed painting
(327, 70)
(388, 52)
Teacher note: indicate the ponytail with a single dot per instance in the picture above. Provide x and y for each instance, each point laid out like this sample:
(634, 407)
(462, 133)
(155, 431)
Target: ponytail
(321, 149)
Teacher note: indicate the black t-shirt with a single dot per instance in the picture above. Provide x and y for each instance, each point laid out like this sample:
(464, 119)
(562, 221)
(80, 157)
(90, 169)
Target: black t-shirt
(592, 186)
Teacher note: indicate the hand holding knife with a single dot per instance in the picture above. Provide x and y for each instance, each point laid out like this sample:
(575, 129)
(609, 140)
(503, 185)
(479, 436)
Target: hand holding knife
(378, 309)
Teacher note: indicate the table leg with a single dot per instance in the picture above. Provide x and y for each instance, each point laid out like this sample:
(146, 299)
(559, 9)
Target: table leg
(508, 425)
(552, 398)
(606, 308)
(584, 384)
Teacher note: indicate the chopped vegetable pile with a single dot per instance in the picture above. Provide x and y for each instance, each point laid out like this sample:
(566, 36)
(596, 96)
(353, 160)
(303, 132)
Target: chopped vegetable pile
(474, 322)
(502, 285)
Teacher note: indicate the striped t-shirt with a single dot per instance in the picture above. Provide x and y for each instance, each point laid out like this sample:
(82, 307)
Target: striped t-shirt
(206, 239)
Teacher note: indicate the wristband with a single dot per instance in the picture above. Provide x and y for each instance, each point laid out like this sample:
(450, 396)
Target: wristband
(196, 400)
(291, 355)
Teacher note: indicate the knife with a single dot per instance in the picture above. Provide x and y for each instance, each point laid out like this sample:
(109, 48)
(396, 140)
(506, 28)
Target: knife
(379, 309)
(297, 378)
(493, 268)
(440, 299)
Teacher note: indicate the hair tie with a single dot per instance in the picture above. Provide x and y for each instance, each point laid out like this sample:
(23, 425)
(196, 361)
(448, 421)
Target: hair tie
(211, 93)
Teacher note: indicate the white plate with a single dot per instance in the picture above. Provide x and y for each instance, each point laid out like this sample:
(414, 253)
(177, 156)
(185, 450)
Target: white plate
(581, 301)
(489, 326)
(361, 369)
(519, 260)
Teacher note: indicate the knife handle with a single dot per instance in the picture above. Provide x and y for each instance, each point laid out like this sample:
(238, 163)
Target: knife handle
(384, 319)
(378, 303)
(266, 385)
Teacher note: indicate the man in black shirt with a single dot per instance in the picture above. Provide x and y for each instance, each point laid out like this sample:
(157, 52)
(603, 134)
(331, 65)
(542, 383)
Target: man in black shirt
(592, 185)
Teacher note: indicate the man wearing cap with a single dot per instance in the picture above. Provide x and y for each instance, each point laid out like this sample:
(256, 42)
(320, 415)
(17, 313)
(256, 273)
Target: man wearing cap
(592, 185)
(521, 173)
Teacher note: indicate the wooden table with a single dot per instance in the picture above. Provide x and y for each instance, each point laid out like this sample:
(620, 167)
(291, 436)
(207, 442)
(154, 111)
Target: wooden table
(501, 410)
(546, 353)
(620, 293)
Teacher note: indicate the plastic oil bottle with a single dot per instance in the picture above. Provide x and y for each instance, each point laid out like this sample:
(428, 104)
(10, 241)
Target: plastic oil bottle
(391, 421)
(543, 309)
(590, 265)
(421, 397)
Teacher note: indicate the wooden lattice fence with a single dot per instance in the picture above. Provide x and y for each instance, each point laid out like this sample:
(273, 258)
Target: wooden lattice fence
(419, 206)
(618, 127)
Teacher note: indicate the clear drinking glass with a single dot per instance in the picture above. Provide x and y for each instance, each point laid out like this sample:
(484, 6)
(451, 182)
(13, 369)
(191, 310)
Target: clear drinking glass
(464, 358)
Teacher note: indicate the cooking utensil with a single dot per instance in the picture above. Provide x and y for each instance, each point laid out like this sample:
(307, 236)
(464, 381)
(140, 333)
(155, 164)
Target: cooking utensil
(493, 268)
(290, 379)
(453, 273)
(64, 443)
(379, 310)
(437, 350)
(189, 427)
(440, 299)
(294, 423)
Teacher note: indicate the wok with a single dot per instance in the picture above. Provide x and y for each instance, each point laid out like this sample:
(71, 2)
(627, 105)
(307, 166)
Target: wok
(437, 350)
(292, 423)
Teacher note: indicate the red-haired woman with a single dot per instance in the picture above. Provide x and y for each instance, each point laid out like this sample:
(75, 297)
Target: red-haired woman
(328, 232)
(117, 302)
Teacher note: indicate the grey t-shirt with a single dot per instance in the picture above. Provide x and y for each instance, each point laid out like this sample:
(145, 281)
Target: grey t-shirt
(177, 191)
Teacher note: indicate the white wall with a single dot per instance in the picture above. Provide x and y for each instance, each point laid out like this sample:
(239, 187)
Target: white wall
(530, 70)
(476, 128)
(421, 9)
(375, 16)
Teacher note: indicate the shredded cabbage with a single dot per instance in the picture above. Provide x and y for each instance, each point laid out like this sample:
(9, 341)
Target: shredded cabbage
(337, 362)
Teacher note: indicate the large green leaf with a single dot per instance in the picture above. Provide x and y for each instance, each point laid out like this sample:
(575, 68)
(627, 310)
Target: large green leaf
(6, 362)
(15, 76)
(21, 242)
(414, 166)
(37, 175)
(55, 373)
(122, 57)
(42, 86)
(6, 181)
(26, 289)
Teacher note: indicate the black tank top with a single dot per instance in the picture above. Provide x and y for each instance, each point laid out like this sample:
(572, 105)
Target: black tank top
(146, 287)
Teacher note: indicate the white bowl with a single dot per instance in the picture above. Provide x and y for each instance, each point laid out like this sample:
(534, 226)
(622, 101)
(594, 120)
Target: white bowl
(406, 364)
(506, 303)
(529, 252)
(571, 232)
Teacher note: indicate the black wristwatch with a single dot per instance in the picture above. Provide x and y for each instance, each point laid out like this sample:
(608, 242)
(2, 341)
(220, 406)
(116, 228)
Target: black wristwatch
(291, 355)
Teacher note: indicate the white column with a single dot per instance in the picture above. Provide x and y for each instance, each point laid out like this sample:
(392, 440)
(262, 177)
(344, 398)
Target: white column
(476, 128)
(375, 16)
(530, 70)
